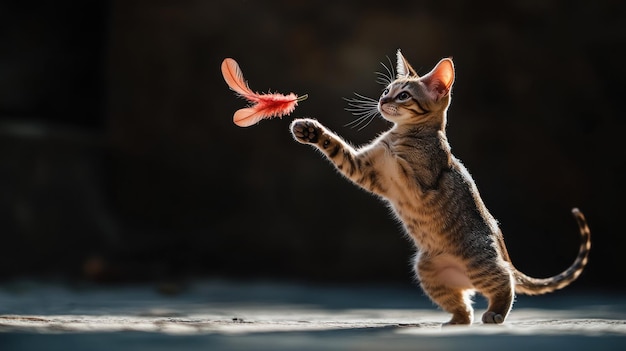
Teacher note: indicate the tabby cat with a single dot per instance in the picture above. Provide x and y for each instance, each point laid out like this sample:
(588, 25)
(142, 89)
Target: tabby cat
(460, 248)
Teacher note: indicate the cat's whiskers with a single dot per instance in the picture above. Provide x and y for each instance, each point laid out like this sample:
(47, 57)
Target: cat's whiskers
(382, 79)
(364, 108)
(385, 78)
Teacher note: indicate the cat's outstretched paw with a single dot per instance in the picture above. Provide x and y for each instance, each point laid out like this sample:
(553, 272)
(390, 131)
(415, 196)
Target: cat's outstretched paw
(306, 131)
(491, 317)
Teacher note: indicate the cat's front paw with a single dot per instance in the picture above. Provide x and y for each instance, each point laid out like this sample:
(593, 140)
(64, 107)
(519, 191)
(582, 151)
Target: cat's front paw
(306, 131)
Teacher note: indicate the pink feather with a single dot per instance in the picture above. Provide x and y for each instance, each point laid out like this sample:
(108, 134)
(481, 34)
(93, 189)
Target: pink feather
(261, 105)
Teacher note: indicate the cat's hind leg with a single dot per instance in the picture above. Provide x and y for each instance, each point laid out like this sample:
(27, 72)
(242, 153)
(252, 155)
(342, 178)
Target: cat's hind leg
(498, 288)
(448, 288)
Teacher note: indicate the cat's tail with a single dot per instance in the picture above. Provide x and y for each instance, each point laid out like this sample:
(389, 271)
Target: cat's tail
(533, 286)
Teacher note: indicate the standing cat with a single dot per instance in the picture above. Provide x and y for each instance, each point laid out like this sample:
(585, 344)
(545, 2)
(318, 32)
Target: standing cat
(460, 248)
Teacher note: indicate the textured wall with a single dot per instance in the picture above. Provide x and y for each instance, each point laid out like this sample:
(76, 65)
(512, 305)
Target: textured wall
(131, 167)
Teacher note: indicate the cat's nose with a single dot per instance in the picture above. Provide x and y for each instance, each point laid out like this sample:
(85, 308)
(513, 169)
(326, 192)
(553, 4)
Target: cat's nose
(385, 99)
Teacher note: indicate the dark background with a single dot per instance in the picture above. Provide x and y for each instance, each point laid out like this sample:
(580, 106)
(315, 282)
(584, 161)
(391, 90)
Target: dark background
(119, 160)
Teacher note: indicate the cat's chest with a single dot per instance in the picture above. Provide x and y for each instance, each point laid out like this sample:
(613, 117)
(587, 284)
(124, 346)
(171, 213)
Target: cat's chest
(400, 180)
(413, 169)
(404, 170)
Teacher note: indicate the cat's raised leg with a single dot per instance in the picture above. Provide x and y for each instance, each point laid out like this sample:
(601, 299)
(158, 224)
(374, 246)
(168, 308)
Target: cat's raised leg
(310, 131)
(359, 167)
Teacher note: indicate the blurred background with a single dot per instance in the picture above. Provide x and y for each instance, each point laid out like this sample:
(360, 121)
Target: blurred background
(120, 163)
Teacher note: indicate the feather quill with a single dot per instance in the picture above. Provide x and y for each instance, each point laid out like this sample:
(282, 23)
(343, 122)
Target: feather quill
(262, 106)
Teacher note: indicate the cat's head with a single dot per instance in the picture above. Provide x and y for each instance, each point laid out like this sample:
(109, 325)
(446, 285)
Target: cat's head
(411, 99)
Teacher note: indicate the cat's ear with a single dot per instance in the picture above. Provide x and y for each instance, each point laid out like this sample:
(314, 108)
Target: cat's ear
(439, 80)
(403, 68)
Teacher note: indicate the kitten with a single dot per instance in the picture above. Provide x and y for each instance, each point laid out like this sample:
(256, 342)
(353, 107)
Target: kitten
(460, 248)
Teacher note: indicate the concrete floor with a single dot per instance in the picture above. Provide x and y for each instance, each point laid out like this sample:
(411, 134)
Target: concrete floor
(224, 315)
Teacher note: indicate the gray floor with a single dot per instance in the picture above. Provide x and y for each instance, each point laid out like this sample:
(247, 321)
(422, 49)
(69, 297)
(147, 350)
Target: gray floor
(223, 315)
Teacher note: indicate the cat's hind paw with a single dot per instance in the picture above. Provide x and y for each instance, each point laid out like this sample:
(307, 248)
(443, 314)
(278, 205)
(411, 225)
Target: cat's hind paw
(306, 131)
(491, 317)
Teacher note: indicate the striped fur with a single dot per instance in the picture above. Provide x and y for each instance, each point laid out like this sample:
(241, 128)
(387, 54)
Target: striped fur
(460, 248)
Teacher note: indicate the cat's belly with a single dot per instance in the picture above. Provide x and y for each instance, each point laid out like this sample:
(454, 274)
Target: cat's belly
(426, 232)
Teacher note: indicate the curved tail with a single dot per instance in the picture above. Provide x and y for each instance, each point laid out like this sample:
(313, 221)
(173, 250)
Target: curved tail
(533, 286)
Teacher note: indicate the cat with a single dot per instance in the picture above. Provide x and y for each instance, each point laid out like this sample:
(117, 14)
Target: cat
(459, 246)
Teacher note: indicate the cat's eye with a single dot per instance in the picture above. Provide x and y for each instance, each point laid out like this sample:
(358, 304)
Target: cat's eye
(386, 91)
(403, 96)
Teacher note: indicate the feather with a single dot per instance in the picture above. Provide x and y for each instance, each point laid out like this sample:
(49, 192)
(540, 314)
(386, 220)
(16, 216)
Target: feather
(234, 77)
(262, 106)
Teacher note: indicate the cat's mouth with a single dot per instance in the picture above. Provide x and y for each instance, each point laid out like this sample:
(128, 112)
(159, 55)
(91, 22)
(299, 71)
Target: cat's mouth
(389, 109)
